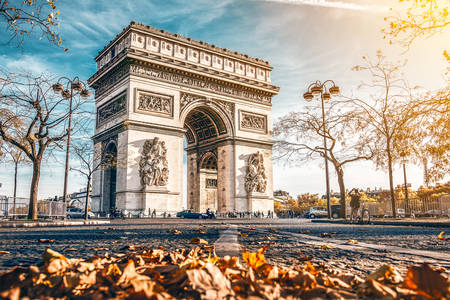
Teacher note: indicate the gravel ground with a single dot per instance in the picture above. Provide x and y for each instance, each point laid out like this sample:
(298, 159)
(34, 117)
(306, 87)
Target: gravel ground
(25, 248)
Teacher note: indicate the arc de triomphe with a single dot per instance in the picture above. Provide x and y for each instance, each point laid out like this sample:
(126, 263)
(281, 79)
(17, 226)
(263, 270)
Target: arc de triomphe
(152, 90)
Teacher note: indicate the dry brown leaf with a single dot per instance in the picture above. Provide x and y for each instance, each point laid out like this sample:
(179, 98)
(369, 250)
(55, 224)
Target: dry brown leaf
(352, 242)
(174, 231)
(123, 237)
(304, 231)
(70, 249)
(197, 240)
(441, 235)
(255, 260)
(46, 241)
(242, 234)
(4, 252)
(426, 281)
(210, 282)
(273, 230)
(325, 234)
(201, 230)
(386, 273)
(325, 246)
(129, 233)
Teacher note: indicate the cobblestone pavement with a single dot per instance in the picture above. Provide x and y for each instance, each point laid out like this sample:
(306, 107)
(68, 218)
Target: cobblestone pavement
(289, 240)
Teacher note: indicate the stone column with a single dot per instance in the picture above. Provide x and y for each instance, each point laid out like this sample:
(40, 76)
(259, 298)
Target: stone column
(225, 177)
(193, 181)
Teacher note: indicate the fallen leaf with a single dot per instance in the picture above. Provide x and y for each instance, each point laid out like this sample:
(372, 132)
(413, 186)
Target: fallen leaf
(352, 242)
(255, 260)
(70, 249)
(123, 237)
(46, 241)
(201, 230)
(273, 230)
(129, 233)
(304, 231)
(386, 273)
(325, 246)
(242, 234)
(426, 281)
(4, 252)
(210, 282)
(197, 240)
(174, 231)
(441, 235)
(325, 234)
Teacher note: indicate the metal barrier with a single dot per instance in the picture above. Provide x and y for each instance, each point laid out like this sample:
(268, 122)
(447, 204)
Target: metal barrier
(19, 208)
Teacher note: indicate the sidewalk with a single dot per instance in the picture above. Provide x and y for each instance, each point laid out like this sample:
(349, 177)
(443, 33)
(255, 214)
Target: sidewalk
(42, 223)
(396, 222)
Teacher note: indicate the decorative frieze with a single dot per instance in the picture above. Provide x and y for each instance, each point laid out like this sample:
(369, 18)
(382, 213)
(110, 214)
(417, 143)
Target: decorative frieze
(112, 109)
(111, 79)
(252, 122)
(255, 179)
(187, 98)
(202, 83)
(153, 103)
(228, 107)
(153, 166)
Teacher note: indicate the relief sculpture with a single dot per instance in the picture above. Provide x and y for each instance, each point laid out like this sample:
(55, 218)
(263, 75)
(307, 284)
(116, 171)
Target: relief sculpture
(256, 180)
(153, 167)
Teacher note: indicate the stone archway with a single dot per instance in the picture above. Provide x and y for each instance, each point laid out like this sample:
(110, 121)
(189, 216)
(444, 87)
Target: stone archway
(152, 89)
(109, 177)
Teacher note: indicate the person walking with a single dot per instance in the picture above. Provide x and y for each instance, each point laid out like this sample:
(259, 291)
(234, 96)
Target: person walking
(355, 202)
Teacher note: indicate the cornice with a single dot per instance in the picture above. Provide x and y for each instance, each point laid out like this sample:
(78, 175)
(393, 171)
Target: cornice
(181, 39)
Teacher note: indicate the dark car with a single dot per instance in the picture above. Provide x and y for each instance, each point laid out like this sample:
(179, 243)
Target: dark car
(188, 214)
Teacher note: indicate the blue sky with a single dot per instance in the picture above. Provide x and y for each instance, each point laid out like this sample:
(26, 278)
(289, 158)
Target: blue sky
(304, 40)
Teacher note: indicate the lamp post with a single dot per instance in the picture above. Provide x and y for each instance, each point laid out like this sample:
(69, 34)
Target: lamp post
(407, 210)
(326, 89)
(71, 88)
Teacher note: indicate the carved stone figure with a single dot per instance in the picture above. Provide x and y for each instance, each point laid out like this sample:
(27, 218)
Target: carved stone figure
(153, 167)
(255, 179)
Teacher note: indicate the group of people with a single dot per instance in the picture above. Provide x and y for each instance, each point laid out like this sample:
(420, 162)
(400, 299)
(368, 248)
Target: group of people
(247, 214)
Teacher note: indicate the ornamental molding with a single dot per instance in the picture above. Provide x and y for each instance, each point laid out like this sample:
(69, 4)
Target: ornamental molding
(112, 109)
(187, 98)
(153, 166)
(252, 122)
(255, 179)
(153, 103)
(201, 82)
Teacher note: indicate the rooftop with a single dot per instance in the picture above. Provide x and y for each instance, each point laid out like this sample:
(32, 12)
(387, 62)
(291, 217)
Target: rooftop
(163, 33)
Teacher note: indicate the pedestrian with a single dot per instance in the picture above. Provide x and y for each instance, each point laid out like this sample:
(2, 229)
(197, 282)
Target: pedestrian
(154, 213)
(355, 202)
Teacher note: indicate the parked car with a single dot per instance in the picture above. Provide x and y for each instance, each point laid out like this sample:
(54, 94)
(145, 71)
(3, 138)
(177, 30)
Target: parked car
(77, 213)
(400, 213)
(189, 214)
(316, 212)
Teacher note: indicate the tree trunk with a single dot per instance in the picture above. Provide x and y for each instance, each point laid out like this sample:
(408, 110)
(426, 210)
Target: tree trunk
(391, 181)
(32, 210)
(340, 176)
(16, 163)
(86, 202)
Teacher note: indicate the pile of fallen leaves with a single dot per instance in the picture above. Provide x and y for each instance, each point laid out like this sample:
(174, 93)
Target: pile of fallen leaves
(200, 274)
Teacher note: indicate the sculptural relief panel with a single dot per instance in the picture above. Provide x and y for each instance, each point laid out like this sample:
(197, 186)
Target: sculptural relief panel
(112, 109)
(154, 103)
(153, 166)
(255, 178)
(252, 122)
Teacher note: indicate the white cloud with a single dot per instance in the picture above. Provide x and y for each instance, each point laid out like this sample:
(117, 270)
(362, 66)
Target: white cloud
(324, 3)
(29, 63)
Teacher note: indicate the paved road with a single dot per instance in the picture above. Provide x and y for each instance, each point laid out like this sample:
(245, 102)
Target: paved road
(289, 240)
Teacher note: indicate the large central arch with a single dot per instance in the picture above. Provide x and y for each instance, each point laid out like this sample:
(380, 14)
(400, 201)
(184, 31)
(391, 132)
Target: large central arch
(152, 90)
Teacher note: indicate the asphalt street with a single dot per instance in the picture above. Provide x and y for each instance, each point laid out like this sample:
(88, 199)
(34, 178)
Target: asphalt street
(356, 248)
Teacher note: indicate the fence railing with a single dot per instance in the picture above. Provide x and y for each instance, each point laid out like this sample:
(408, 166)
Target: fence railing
(19, 208)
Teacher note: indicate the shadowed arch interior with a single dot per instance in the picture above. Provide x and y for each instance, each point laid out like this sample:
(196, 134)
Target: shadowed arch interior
(202, 123)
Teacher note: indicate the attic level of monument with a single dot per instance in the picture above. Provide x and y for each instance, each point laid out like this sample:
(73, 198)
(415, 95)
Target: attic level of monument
(149, 44)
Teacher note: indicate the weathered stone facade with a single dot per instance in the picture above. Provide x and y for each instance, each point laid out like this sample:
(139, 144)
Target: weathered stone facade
(152, 89)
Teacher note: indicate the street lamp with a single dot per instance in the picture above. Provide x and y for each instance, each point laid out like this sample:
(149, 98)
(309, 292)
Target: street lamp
(407, 209)
(326, 90)
(72, 88)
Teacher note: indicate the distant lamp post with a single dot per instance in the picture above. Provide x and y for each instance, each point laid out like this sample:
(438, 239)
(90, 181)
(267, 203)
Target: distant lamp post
(326, 90)
(407, 210)
(71, 88)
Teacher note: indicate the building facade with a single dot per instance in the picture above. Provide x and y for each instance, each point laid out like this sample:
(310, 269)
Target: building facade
(154, 90)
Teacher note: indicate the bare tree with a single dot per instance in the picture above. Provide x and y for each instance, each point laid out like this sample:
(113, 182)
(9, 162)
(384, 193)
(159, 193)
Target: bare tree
(387, 112)
(89, 161)
(421, 18)
(299, 136)
(33, 119)
(29, 18)
(14, 155)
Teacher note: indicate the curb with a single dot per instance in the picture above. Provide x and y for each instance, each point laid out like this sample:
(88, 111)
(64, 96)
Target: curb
(389, 223)
(52, 224)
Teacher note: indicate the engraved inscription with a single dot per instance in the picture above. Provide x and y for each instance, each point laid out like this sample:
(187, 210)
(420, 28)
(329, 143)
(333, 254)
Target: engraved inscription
(201, 83)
